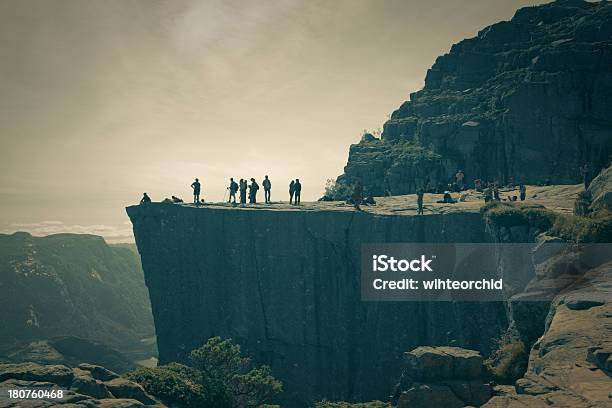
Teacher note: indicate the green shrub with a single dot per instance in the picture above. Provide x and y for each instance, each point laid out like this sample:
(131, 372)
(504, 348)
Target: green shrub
(414, 152)
(337, 191)
(508, 362)
(173, 383)
(506, 214)
(595, 229)
(341, 404)
(218, 377)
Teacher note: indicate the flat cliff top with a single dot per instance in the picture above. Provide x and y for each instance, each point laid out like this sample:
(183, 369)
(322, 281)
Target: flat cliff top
(558, 198)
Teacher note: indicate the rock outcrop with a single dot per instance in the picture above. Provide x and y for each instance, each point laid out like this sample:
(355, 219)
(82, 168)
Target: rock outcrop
(527, 99)
(284, 284)
(449, 377)
(62, 288)
(570, 364)
(84, 386)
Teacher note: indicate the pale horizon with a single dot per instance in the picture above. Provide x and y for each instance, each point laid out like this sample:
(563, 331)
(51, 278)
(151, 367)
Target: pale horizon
(104, 100)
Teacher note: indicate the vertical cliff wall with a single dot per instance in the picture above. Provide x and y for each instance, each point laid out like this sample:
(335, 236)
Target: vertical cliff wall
(285, 285)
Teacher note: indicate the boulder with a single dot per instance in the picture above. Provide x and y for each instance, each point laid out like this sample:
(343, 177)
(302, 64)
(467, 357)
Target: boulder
(429, 395)
(99, 372)
(123, 388)
(84, 383)
(441, 363)
(57, 374)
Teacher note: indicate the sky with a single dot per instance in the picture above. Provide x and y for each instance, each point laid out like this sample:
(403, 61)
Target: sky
(102, 100)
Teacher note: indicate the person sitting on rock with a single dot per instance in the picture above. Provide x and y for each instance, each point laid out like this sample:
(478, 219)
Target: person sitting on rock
(297, 187)
(145, 199)
(196, 191)
(447, 199)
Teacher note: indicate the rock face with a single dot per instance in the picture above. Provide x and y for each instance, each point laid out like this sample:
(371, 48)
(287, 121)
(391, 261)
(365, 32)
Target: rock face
(528, 99)
(569, 366)
(600, 191)
(284, 284)
(66, 287)
(85, 386)
(442, 377)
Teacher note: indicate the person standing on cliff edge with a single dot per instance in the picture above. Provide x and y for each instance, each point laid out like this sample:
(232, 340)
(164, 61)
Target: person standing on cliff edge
(267, 185)
(420, 194)
(291, 191)
(253, 191)
(358, 195)
(297, 187)
(196, 191)
(233, 188)
(243, 192)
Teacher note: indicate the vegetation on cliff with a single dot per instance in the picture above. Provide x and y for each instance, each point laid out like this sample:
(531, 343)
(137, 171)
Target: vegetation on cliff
(218, 377)
(595, 227)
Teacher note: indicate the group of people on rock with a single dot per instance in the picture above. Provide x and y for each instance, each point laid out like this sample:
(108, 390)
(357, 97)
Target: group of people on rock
(240, 188)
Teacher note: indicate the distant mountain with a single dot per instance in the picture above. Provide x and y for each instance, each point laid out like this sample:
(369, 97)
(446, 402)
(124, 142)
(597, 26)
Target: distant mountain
(73, 285)
(527, 99)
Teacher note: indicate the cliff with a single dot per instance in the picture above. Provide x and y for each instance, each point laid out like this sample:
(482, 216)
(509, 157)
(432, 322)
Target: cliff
(527, 99)
(71, 285)
(284, 284)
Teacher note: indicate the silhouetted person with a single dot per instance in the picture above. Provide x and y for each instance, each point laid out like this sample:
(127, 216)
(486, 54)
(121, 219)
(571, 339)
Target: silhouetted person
(357, 195)
(291, 191)
(459, 177)
(420, 194)
(233, 188)
(243, 191)
(196, 191)
(522, 192)
(488, 194)
(267, 185)
(253, 191)
(297, 187)
(585, 171)
(145, 199)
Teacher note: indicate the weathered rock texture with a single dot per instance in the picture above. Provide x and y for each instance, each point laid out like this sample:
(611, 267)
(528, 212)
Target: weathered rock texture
(570, 364)
(285, 285)
(449, 377)
(85, 386)
(528, 98)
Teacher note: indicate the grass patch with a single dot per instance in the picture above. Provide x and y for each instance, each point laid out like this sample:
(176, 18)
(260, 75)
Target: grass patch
(413, 152)
(506, 214)
(508, 362)
(594, 228)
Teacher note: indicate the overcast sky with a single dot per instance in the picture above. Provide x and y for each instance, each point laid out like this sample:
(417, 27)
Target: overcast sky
(101, 100)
